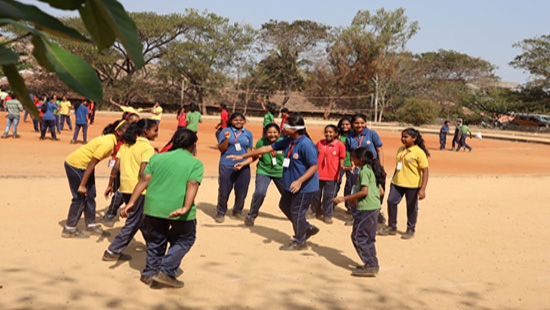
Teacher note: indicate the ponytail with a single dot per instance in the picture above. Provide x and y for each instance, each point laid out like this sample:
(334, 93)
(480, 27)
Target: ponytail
(137, 129)
(418, 140)
(367, 157)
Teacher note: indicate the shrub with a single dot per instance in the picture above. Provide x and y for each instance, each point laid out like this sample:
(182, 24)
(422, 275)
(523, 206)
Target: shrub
(418, 111)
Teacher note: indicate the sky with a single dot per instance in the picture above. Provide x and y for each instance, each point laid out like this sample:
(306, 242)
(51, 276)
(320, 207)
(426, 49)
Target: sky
(484, 28)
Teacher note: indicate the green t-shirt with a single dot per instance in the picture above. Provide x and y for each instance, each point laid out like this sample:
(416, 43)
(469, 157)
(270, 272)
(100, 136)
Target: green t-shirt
(465, 129)
(265, 164)
(268, 119)
(170, 173)
(372, 200)
(347, 160)
(193, 119)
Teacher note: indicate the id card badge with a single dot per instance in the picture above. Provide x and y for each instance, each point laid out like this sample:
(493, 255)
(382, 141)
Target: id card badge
(286, 162)
(273, 161)
(111, 163)
(238, 146)
(399, 166)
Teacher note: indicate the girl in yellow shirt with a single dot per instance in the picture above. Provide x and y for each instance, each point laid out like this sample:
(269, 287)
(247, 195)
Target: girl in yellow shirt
(409, 179)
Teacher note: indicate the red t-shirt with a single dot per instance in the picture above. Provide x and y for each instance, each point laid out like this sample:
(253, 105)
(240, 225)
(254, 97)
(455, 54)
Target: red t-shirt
(328, 160)
(182, 119)
(225, 117)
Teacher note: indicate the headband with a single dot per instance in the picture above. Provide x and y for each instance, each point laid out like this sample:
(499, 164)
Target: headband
(287, 126)
(120, 124)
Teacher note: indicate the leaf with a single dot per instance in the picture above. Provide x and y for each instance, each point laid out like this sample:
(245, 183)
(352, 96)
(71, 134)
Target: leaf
(45, 21)
(8, 10)
(71, 69)
(106, 20)
(64, 4)
(7, 56)
(18, 86)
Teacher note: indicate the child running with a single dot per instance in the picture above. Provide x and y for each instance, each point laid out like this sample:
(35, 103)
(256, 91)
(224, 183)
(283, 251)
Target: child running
(233, 140)
(300, 178)
(80, 166)
(172, 180)
(270, 168)
(464, 132)
(409, 179)
(330, 160)
(132, 158)
(457, 134)
(367, 197)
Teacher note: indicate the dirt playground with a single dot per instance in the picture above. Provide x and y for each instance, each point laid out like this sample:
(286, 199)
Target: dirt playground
(480, 240)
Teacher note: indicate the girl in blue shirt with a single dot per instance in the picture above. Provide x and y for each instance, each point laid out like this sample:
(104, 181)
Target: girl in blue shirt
(81, 121)
(300, 178)
(233, 140)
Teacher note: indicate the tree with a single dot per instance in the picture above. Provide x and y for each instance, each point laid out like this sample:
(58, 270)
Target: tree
(535, 59)
(106, 21)
(392, 30)
(205, 54)
(280, 69)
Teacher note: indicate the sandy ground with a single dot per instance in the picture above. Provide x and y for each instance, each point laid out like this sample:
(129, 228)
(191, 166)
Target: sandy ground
(479, 242)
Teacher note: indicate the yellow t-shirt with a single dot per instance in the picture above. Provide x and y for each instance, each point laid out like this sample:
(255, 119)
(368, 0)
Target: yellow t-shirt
(157, 113)
(99, 148)
(413, 160)
(131, 157)
(130, 109)
(64, 107)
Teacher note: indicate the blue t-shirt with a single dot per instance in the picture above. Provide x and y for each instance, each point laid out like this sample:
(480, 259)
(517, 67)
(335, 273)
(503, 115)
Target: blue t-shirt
(244, 138)
(303, 155)
(48, 115)
(81, 115)
(444, 130)
(368, 138)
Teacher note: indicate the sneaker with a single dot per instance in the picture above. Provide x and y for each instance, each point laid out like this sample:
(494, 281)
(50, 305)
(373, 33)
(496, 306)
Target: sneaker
(147, 280)
(408, 234)
(41, 138)
(72, 142)
(349, 222)
(248, 221)
(219, 218)
(311, 231)
(17, 136)
(109, 256)
(109, 222)
(381, 218)
(365, 271)
(387, 231)
(96, 230)
(55, 139)
(310, 215)
(4, 137)
(328, 220)
(73, 233)
(294, 246)
(319, 216)
(237, 216)
(167, 280)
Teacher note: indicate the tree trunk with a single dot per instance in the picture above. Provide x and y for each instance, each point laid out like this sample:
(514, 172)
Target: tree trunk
(376, 94)
(328, 109)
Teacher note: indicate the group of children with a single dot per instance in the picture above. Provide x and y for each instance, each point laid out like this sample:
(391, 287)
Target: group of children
(159, 189)
(462, 131)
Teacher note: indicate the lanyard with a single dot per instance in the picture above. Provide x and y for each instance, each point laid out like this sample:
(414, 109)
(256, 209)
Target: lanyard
(359, 141)
(404, 154)
(237, 136)
(292, 145)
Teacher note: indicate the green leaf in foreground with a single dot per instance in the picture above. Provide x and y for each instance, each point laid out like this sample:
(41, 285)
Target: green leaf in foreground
(71, 69)
(7, 56)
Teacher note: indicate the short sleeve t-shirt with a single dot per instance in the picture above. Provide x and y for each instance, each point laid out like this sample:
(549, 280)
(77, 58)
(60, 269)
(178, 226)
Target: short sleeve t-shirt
(99, 148)
(166, 191)
(81, 115)
(302, 154)
(413, 161)
(328, 159)
(64, 107)
(224, 118)
(131, 157)
(265, 163)
(14, 107)
(347, 160)
(268, 119)
(193, 119)
(367, 138)
(242, 136)
(49, 114)
(157, 113)
(444, 130)
(182, 119)
(465, 129)
(130, 109)
(367, 178)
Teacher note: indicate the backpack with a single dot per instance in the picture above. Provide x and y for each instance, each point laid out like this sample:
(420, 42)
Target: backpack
(44, 107)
